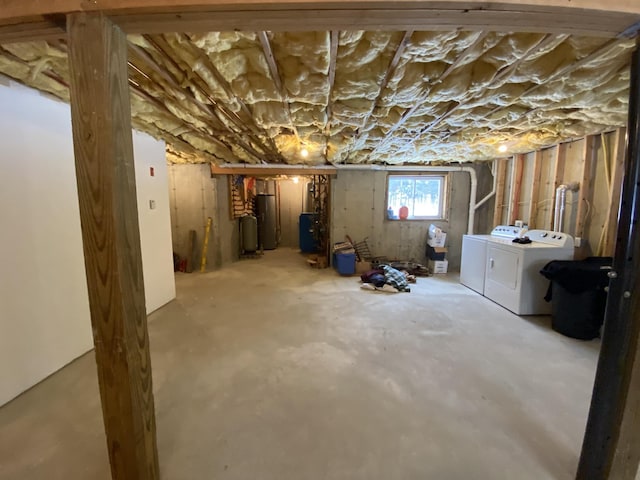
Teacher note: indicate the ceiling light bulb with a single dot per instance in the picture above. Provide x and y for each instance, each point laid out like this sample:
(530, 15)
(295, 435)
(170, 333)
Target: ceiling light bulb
(502, 148)
(304, 153)
(295, 179)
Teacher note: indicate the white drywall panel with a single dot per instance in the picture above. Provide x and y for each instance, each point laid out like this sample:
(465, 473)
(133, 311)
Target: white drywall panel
(44, 311)
(154, 220)
(44, 307)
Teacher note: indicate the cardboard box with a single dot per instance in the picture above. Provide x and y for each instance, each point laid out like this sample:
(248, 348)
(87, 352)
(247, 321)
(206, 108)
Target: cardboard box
(362, 267)
(438, 241)
(435, 236)
(436, 253)
(438, 266)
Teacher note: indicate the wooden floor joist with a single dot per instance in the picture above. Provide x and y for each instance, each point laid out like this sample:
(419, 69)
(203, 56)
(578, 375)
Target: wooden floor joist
(103, 146)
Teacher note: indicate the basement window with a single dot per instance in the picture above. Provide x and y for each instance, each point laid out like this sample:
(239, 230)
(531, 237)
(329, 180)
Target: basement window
(417, 197)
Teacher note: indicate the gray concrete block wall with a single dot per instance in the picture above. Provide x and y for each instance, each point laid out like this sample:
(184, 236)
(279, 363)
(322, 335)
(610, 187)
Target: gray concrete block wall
(194, 197)
(359, 210)
(292, 201)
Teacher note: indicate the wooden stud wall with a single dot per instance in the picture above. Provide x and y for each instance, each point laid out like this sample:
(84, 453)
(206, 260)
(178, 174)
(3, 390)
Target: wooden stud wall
(534, 178)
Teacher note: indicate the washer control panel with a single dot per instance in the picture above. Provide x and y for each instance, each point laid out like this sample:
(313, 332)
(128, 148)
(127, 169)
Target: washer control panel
(507, 231)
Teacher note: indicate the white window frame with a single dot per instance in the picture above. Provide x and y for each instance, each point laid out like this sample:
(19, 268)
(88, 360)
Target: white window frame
(443, 198)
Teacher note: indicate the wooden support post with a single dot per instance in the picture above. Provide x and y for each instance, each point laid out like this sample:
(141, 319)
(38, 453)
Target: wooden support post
(617, 172)
(586, 182)
(101, 119)
(516, 188)
(501, 174)
(611, 447)
(535, 189)
(558, 174)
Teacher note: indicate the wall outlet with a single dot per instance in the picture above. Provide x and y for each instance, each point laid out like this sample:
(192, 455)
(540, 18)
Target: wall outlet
(152, 204)
(577, 242)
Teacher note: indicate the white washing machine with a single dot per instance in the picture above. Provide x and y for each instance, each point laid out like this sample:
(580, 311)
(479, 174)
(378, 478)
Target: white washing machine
(511, 275)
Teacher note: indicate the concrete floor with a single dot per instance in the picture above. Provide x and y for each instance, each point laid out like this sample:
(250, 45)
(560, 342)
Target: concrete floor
(270, 370)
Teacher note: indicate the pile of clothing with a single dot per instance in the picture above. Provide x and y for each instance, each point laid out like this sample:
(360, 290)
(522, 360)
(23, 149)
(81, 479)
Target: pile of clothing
(388, 279)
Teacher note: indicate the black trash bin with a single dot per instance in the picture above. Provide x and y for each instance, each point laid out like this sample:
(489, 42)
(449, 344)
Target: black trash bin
(577, 294)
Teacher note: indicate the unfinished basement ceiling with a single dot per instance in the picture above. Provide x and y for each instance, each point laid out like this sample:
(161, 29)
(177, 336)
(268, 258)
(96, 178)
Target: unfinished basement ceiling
(356, 96)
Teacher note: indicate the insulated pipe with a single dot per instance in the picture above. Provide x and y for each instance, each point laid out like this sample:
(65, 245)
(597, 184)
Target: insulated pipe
(384, 168)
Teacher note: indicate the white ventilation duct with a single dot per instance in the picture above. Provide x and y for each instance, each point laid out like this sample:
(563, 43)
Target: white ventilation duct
(561, 203)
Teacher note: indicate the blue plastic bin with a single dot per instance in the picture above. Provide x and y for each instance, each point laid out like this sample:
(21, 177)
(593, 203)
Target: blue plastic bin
(345, 263)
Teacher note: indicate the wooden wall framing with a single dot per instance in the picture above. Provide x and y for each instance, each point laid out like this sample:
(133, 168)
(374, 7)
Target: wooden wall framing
(529, 193)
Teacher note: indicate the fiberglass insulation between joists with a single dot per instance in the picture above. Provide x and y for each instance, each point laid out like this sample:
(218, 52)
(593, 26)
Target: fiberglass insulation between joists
(453, 96)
